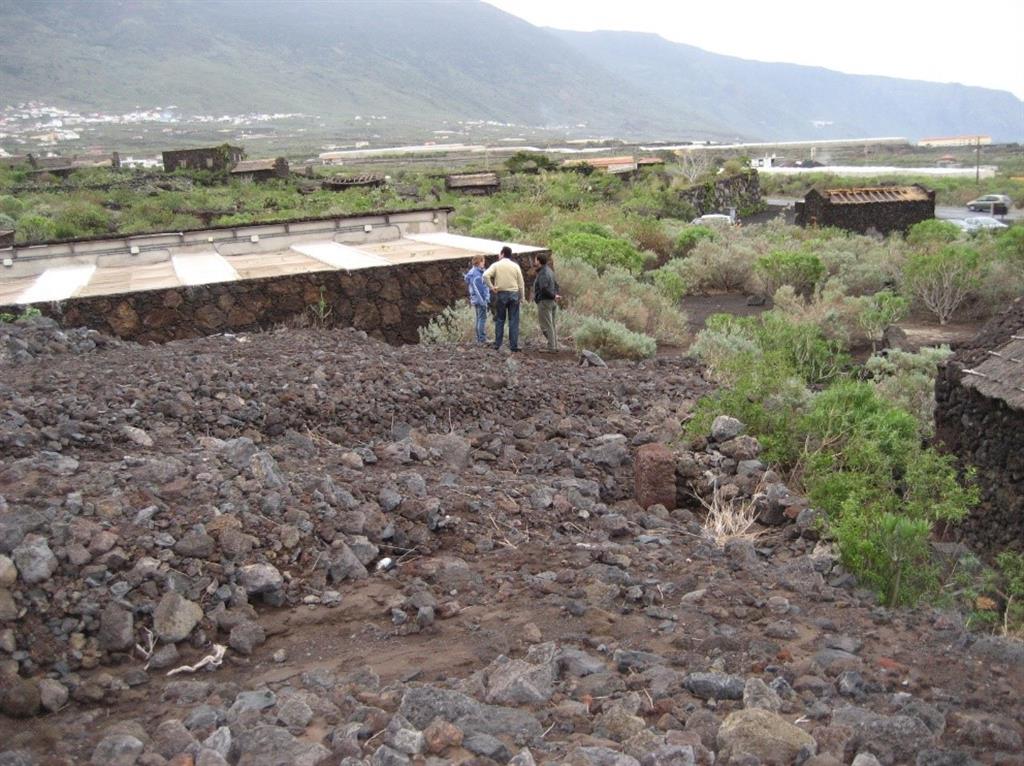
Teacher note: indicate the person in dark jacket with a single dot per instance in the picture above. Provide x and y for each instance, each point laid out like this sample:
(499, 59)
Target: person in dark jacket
(546, 295)
(479, 296)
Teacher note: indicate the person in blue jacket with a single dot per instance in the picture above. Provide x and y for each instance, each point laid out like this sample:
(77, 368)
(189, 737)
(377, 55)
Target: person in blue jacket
(479, 296)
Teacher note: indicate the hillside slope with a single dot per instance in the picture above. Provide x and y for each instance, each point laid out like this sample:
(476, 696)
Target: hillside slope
(787, 101)
(422, 64)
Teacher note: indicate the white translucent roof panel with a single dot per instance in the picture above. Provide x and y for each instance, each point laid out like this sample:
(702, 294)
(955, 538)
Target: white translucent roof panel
(57, 284)
(473, 244)
(203, 268)
(340, 256)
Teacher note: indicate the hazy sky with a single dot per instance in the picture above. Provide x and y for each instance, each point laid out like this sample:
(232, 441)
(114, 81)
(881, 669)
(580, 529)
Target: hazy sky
(975, 43)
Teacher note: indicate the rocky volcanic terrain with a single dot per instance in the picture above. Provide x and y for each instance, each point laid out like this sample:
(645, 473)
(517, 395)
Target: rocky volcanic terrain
(422, 555)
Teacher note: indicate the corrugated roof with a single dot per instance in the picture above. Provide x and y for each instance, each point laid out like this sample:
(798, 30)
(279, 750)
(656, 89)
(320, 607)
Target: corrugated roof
(867, 195)
(1001, 374)
(248, 166)
(602, 162)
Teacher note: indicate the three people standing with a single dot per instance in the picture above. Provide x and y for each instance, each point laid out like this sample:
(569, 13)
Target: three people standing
(505, 279)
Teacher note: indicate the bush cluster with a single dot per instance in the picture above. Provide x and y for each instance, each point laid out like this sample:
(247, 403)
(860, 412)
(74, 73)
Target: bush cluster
(855, 446)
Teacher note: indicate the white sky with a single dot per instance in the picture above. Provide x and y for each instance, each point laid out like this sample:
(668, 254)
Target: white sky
(975, 43)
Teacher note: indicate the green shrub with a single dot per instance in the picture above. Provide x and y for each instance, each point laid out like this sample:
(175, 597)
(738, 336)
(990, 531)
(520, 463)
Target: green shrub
(943, 279)
(689, 237)
(619, 295)
(34, 228)
(803, 271)
(669, 281)
(933, 232)
(601, 252)
(907, 380)
(81, 219)
(612, 339)
(491, 229)
(879, 311)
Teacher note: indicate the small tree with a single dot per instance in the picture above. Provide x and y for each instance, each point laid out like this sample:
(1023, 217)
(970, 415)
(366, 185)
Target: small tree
(941, 280)
(880, 310)
(694, 164)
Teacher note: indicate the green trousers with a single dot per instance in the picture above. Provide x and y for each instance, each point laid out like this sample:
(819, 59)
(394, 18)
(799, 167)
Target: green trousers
(546, 317)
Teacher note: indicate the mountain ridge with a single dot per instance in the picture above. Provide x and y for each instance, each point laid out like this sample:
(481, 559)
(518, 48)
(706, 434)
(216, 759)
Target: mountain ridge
(426, 65)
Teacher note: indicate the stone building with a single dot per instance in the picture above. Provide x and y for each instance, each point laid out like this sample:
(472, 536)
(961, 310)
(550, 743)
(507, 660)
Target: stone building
(880, 208)
(220, 157)
(473, 183)
(261, 170)
(980, 417)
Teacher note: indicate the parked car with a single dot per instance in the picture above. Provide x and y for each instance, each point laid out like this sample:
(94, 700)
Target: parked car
(714, 219)
(978, 223)
(996, 204)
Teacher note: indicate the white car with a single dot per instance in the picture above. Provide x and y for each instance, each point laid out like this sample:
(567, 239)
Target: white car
(714, 219)
(982, 223)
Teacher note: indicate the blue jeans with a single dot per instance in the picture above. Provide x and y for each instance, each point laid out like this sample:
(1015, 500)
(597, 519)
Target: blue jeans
(508, 305)
(481, 323)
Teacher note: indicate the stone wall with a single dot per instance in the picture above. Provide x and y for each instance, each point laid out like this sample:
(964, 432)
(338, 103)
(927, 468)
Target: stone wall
(741, 191)
(388, 302)
(988, 435)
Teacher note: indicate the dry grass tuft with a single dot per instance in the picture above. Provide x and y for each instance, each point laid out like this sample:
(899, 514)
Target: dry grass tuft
(729, 519)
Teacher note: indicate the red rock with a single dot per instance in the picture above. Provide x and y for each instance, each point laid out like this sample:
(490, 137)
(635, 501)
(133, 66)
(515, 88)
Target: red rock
(440, 735)
(655, 472)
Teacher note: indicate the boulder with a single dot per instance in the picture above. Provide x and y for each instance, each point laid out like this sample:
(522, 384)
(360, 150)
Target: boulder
(654, 476)
(763, 734)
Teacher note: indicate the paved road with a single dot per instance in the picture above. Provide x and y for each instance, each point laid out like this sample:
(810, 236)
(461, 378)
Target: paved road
(941, 211)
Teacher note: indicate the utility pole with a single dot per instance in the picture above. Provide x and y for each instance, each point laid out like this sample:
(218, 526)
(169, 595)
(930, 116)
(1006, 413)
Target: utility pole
(977, 161)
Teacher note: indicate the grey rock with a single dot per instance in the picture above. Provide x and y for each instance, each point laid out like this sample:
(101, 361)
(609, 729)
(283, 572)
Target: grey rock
(264, 469)
(52, 694)
(487, 746)
(171, 738)
(34, 560)
(389, 499)
(741, 448)
(246, 636)
(765, 735)
(891, 738)
(294, 713)
(273, 745)
(757, 694)
(175, 617)
(421, 704)
(163, 657)
(117, 628)
(724, 428)
(600, 756)
(250, 701)
(590, 359)
(523, 758)
(209, 757)
(19, 697)
(577, 663)
(204, 717)
(514, 682)
(404, 737)
(628, 659)
(344, 564)
(8, 572)
(260, 579)
(117, 750)
(388, 756)
(934, 757)
(193, 544)
(8, 607)
(670, 755)
(17, 758)
(717, 686)
(865, 759)
(220, 741)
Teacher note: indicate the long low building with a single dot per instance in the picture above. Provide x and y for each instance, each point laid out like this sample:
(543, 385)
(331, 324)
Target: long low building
(118, 284)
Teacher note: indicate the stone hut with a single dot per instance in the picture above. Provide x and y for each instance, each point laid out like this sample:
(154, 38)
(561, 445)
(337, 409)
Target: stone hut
(882, 208)
(261, 170)
(205, 158)
(980, 417)
(473, 183)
